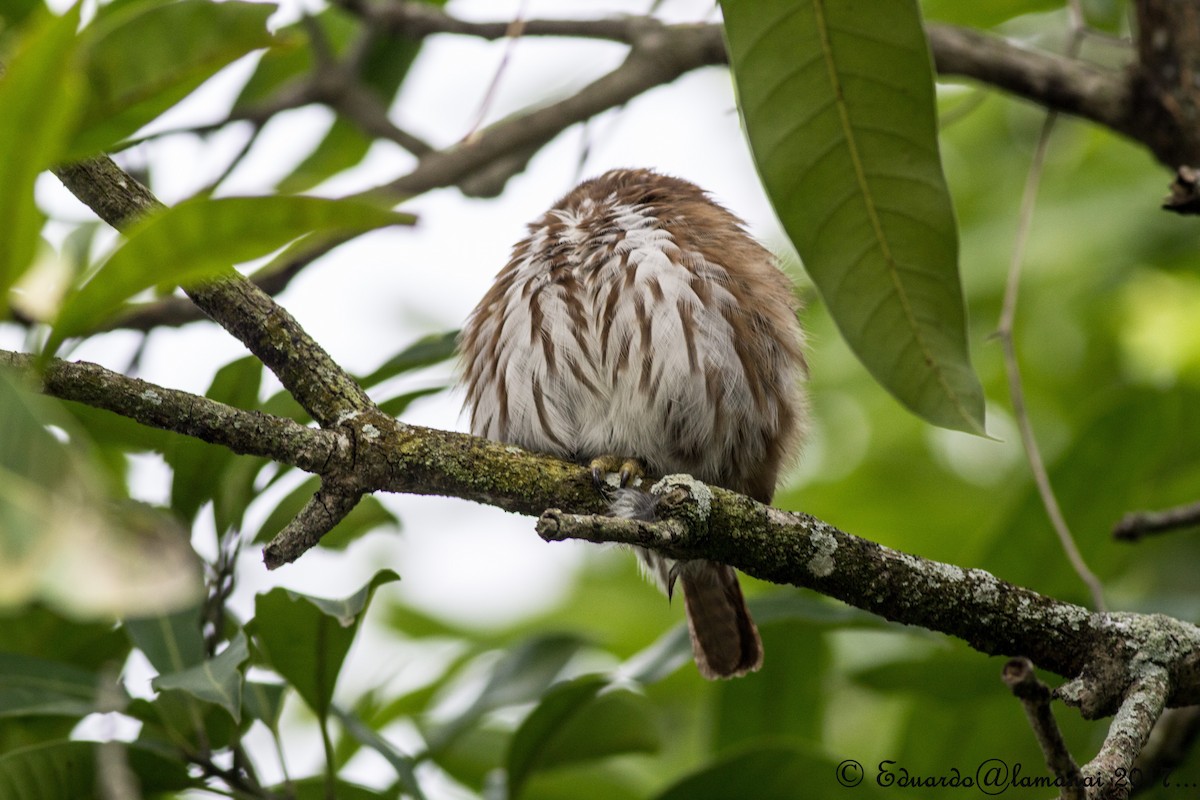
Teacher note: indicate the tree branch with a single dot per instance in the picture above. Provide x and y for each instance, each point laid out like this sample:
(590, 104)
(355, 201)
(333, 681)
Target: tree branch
(244, 432)
(1140, 524)
(1035, 697)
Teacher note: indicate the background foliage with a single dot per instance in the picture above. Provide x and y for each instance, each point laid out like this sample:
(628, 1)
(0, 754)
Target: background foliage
(371, 695)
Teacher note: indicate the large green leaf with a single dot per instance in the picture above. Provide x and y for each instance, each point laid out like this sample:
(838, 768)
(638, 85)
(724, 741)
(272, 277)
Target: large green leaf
(33, 130)
(202, 238)
(306, 639)
(197, 467)
(31, 686)
(838, 104)
(772, 772)
(579, 721)
(171, 642)
(771, 702)
(215, 680)
(143, 57)
(61, 770)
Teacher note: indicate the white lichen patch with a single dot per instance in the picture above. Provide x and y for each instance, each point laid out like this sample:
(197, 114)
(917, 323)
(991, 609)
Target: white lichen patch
(345, 417)
(370, 432)
(698, 491)
(151, 396)
(825, 545)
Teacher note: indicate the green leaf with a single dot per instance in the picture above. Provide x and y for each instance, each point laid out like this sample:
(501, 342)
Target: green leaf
(424, 352)
(60, 770)
(31, 686)
(521, 675)
(203, 238)
(33, 130)
(768, 772)
(38, 631)
(579, 721)
(198, 466)
(171, 642)
(142, 58)
(368, 515)
(771, 702)
(838, 104)
(305, 639)
(215, 680)
(264, 702)
(316, 788)
(984, 13)
(404, 765)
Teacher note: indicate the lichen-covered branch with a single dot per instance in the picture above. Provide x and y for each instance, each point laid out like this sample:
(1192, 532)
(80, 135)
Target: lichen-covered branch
(244, 432)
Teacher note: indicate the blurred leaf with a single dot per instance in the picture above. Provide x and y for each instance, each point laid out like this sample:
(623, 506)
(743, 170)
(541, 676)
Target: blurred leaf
(31, 686)
(579, 721)
(203, 238)
(404, 765)
(952, 676)
(306, 638)
(368, 515)
(317, 789)
(171, 642)
(424, 352)
(984, 13)
(290, 56)
(772, 703)
(174, 717)
(264, 702)
(59, 770)
(198, 466)
(215, 680)
(32, 130)
(142, 58)
(62, 540)
(838, 104)
(38, 631)
(396, 406)
(766, 772)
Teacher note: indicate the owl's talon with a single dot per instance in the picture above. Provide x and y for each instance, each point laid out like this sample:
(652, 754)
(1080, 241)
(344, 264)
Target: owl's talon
(626, 469)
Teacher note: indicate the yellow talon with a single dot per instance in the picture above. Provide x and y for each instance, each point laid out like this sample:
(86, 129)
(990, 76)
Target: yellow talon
(626, 469)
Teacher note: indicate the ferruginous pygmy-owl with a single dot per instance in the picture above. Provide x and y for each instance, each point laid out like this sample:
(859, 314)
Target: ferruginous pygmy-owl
(638, 319)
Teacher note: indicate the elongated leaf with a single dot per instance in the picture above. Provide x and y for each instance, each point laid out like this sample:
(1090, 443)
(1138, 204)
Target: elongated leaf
(578, 721)
(404, 765)
(58, 770)
(264, 701)
(215, 680)
(202, 238)
(198, 466)
(428, 350)
(171, 642)
(142, 58)
(31, 686)
(306, 639)
(771, 702)
(838, 104)
(33, 131)
(520, 676)
(772, 772)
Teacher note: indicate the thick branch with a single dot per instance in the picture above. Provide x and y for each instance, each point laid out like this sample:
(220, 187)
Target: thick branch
(322, 387)
(243, 432)
(1104, 653)
(1056, 82)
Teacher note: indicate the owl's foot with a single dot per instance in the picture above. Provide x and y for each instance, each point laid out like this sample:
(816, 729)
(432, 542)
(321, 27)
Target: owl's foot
(626, 469)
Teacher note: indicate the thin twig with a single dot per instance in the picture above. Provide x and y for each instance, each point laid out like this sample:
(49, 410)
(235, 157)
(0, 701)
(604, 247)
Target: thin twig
(513, 35)
(1139, 524)
(1004, 332)
(1034, 695)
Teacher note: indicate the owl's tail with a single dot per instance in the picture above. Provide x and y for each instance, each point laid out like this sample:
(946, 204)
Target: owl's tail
(725, 641)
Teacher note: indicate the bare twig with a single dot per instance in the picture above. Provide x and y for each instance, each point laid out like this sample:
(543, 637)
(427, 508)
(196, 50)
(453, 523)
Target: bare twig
(1035, 697)
(1004, 332)
(1140, 524)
